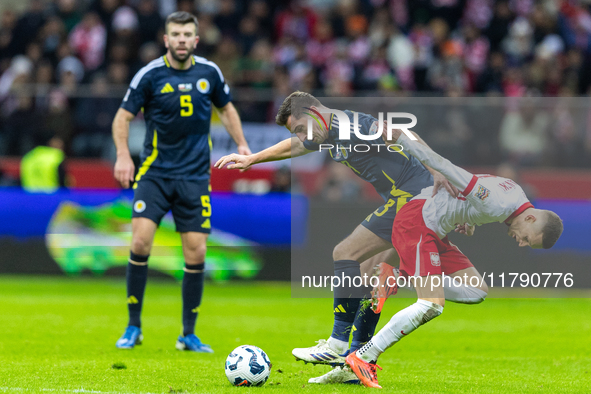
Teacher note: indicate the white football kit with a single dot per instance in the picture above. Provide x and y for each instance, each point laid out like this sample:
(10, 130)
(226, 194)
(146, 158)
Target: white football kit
(488, 198)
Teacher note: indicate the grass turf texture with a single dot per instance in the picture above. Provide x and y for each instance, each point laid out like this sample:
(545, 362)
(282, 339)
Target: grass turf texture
(59, 334)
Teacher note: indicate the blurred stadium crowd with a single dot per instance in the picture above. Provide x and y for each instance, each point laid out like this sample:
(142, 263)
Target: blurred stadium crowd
(65, 64)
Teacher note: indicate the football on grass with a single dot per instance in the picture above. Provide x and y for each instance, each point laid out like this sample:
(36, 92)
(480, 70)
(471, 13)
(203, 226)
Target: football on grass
(247, 365)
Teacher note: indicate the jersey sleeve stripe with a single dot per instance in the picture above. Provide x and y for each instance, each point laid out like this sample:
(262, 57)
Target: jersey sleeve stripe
(150, 66)
(470, 185)
(203, 60)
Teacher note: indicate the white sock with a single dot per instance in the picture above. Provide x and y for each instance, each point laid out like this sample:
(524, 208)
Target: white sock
(401, 324)
(463, 294)
(337, 345)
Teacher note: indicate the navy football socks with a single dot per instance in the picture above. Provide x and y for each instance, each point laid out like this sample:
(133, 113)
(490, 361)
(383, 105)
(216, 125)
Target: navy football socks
(365, 326)
(137, 276)
(192, 292)
(346, 298)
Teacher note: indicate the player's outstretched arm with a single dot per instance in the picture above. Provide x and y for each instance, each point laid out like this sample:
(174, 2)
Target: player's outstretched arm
(231, 121)
(288, 148)
(459, 177)
(438, 179)
(124, 167)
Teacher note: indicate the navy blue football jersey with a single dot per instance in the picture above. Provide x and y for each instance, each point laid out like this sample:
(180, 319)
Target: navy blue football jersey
(392, 174)
(177, 111)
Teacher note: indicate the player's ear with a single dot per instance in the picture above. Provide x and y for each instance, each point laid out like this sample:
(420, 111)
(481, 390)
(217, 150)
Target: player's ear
(166, 41)
(196, 40)
(530, 219)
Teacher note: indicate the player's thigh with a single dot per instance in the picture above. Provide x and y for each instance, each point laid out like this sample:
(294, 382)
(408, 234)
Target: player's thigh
(194, 247)
(151, 201)
(360, 245)
(389, 256)
(191, 206)
(152, 198)
(455, 264)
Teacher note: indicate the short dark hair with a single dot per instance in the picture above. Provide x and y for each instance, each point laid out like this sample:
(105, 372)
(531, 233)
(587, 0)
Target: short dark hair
(552, 230)
(182, 18)
(285, 110)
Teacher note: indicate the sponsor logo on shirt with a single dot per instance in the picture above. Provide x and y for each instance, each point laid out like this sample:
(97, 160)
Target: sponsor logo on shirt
(185, 87)
(482, 192)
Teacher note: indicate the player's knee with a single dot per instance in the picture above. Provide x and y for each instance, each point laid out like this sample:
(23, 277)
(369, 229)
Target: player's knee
(141, 245)
(337, 252)
(195, 254)
(343, 252)
(484, 288)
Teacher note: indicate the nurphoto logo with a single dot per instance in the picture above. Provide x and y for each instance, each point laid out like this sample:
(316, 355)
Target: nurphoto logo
(376, 131)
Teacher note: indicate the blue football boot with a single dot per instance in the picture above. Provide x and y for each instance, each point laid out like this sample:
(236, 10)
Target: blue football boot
(193, 343)
(131, 337)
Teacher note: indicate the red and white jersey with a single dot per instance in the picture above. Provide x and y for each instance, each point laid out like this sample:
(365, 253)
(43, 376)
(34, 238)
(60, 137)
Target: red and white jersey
(488, 199)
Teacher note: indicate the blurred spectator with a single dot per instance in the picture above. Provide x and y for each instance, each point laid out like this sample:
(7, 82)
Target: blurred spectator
(227, 58)
(281, 181)
(259, 9)
(42, 169)
(118, 73)
(94, 115)
(147, 52)
(149, 20)
(248, 34)
(58, 116)
(524, 133)
(507, 170)
(70, 72)
(296, 21)
(209, 36)
(491, 80)
(322, 47)
(227, 20)
(340, 185)
(498, 28)
(68, 13)
(20, 128)
(88, 39)
(52, 34)
(27, 26)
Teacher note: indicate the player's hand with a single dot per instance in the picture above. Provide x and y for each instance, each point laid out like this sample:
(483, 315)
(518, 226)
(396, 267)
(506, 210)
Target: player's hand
(244, 150)
(124, 170)
(465, 229)
(396, 133)
(440, 181)
(241, 162)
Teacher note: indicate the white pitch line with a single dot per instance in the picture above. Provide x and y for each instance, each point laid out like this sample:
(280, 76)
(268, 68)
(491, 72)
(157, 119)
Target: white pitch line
(8, 389)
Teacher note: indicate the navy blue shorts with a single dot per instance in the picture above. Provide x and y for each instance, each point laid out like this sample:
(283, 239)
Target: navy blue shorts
(188, 200)
(381, 220)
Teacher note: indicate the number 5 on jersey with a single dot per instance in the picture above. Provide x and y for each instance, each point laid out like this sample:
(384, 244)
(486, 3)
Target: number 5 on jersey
(186, 105)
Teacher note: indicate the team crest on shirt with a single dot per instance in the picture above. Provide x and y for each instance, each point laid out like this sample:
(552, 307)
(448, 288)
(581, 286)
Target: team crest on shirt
(435, 261)
(482, 192)
(374, 128)
(341, 153)
(185, 87)
(203, 85)
(139, 206)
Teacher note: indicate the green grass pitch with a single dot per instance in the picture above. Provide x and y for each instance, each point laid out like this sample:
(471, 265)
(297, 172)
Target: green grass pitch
(58, 335)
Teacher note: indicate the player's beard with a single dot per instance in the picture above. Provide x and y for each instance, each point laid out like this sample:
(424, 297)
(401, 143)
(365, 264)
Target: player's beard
(181, 58)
